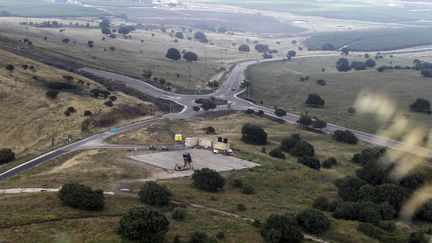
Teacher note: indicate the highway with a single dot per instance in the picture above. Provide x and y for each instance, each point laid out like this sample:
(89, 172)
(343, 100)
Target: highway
(230, 91)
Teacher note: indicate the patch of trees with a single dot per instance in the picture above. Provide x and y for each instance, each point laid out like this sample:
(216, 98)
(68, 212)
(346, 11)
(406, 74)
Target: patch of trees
(144, 224)
(154, 194)
(385, 67)
(173, 54)
(368, 155)
(244, 48)
(82, 197)
(421, 105)
(345, 137)
(6, 155)
(201, 37)
(208, 180)
(314, 100)
(253, 134)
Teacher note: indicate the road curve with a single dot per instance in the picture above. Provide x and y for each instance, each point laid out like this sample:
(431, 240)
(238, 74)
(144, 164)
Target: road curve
(229, 91)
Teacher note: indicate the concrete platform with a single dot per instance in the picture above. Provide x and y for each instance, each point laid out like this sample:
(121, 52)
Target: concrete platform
(201, 159)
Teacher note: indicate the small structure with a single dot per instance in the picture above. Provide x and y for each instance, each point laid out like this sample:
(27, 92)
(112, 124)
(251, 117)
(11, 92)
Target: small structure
(205, 142)
(219, 144)
(191, 142)
(178, 138)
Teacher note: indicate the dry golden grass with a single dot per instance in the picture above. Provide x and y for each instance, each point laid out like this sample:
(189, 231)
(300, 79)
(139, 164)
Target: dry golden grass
(29, 119)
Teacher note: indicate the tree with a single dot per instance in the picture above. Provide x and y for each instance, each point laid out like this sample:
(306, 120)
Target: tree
(198, 237)
(6, 155)
(253, 134)
(291, 54)
(357, 65)
(208, 105)
(305, 120)
(323, 203)
(317, 123)
(302, 148)
(313, 221)
(52, 94)
(201, 37)
(280, 113)
(367, 155)
(289, 143)
(90, 43)
(348, 187)
(208, 180)
(281, 229)
(277, 153)
(310, 162)
(82, 197)
(105, 23)
(395, 195)
(125, 30)
(106, 31)
(362, 211)
(179, 214)
(343, 65)
(179, 35)
(244, 48)
(345, 137)
(421, 105)
(261, 48)
(154, 194)
(314, 100)
(10, 67)
(329, 162)
(425, 212)
(173, 54)
(144, 224)
(370, 63)
(426, 72)
(190, 56)
(196, 108)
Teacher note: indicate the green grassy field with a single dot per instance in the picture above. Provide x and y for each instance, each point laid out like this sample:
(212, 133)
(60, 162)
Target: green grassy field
(277, 83)
(373, 40)
(42, 8)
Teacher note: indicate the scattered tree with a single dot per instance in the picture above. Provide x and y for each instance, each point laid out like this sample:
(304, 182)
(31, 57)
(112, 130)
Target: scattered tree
(253, 134)
(208, 180)
(173, 54)
(345, 137)
(190, 56)
(313, 221)
(343, 65)
(154, 194)
(314, 100)
(82, 197)
(310, 162)
(6, 155)
(244, 48)
(277, 153)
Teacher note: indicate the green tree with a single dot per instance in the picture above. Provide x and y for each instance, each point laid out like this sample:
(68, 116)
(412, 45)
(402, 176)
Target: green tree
(281, 229)
(190, 56)
(154, 194)
(253, 134)
(421, 105)
(314, 100)
(144, 224)
(313, 221)
(82, 197)
(208, 105)
(208, 180)
(277, 153)
(280, 113)
(173, 54)
(349, 187)
(201, 37)
(345, 137)
(179, 35)
(244, 48)
(291, 54)
(6, 155)
(305, 120)
(310, 162)
(343, 65)
(302, 148)
(289, 143)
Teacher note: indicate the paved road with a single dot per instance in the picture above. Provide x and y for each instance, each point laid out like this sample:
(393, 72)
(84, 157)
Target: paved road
(230, 90)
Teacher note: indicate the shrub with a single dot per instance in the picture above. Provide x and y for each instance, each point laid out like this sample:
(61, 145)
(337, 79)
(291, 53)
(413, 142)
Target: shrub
(417, 237)
(208, 180)
(241, 207)
(60, 86)
(210, 130)
(252, 134)
(323, 203)
(6, 155)
(198, 237)
(310, 162)
(71, 109)
(317, 123)
(99, 93)
(371, 230)
(289, 143)
(374, 172)
(362, 211)
(249, 111)
(88, 113)
(421, 105)
(329, 162)
(313, 221)
(154, 194)
(314, 100)
(302, 149)
(277, 153)
(144, 224)
(413, 181)
(345, 137)
(179, 214)
(425, 212)
(367, 155)
(109, 103)
(389, 226)
(237, 183)
(349, 187)
(82, 197)
(352, 110)
(52, 94)
(387, 211)
(281, 228)
(248, 189)
(220, 235)
(260, 113)
(305, 120)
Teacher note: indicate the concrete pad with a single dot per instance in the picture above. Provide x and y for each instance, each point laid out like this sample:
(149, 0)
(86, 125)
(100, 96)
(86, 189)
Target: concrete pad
(200, 159)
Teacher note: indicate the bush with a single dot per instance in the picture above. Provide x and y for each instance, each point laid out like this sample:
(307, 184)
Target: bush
(88, 113)
(317, 123)
(277, 153)
(71, 109)
(349, 187)
(220, 235)
(52, 94)
(241, 207)
(371, 230)
(154, 194)
(252, 134)
(389, 226)
(260, 113)
(345, 137)
(362, 211)
(237, 183)
(305, 120)
(310, 161)
(302, 149)
(367, 155)
(60, 86)
(425, 212)
(289, 143)
(210, 130)
(109, 103)
(6, 155)
(99, 93)
(248, 189)
(314, 100)
(281, 228)
(329, 162)
(198, 237)
(208, 180)
(179, 214)
(387, 211)
(374, 172)
(421, 105)
(82, 197)
(313, 221)
(144, 224)
(393, 194)
(323, 203)
(249, 111)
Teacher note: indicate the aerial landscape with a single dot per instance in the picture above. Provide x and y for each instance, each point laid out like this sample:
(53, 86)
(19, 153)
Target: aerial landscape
(209, 121)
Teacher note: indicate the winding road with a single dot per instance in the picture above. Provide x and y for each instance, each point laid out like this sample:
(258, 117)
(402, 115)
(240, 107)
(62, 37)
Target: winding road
(229, 91)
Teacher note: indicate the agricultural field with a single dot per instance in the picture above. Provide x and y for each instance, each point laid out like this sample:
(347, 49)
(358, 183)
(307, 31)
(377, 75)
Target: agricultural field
(31, 120)
(144, 52)
(42, 8)
(278, 83)
(373, 40)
